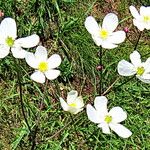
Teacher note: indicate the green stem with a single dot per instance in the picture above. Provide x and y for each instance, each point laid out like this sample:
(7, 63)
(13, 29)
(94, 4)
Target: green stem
(101, 71)
(18, 70)
(138, 40)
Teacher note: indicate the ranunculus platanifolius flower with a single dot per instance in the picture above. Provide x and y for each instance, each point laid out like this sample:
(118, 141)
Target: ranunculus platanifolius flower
(44, 66)
(108, 119)
(136, 67)
(104, 35)
(8, 40)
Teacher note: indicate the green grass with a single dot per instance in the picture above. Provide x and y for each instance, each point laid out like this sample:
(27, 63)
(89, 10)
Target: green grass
(60, 25)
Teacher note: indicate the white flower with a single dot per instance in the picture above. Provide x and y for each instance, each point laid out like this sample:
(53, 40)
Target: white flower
(74, 102)
(141, 20)
(8, 35)
(108, 120)
(141, 69)
(44, 66)
(104, 35)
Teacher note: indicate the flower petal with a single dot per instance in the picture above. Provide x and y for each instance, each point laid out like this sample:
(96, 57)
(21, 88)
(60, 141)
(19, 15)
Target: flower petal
(100, 103)
(125, 68)
(143, 11)
(105, 128)
(41, 53)
(143, 80)
(110, 22)
(92, 114)
(108, 45)
(52, 74)
(118, 115)
(54, 61)
(18, 52)
(79, 102)
(91, 25)
(71, 97)
(4, 51)
(28, 42)
(98, 41)
(8, 28)
(134, 12)
(139, 24)
(31, 60)
(120, 130)
(38, 77)
(117, 37)
(64, 105)
(135, 58)
(74, 110)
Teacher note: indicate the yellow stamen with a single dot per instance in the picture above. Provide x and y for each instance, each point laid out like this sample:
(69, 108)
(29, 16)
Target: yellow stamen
(43, 66)
(103, 34)
(73, 104)
(146, 19)
(108, 119)
(140, 71)
(9, 41)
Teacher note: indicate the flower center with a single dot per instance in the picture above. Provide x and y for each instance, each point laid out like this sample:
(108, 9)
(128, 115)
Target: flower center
(146, 19)
(103, 34)
(43, 66)
(73, 104)
(140, 71)
(108, 119)
(10, 41)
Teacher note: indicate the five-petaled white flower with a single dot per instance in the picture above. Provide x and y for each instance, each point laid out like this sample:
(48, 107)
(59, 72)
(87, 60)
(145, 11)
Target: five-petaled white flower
(142, 20)
(8, 35)
(44, 66)
(104, 35)
(74, 102)
(141, 69)
(108, 120)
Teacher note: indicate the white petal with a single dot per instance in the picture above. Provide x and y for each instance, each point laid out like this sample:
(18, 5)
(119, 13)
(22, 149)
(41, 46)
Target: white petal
(28, 42)
(8, 28)
(117, 37)
(118, 115)
(79, 102)
(41, 53)
(71, 97)
(31, 60)
(125, 68)
(143, 80)
(146, 65)
(64, 105)
(108, 45)
(97, 40)
(139, 24)
(100, 103)
(120, 130)
(143, 11)
(134, 12)
(18, 52)
(91, 25)
(4, 51)
(74, 110)
(92, 114)
(105, 128)
(135, 58)
(54, 61)
(52, 74)
(38, 77)
(110, 22)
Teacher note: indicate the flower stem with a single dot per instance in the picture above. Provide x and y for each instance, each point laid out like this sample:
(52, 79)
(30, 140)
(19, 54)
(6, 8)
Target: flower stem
(101, 71)
(18, 70)
(136, 44)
